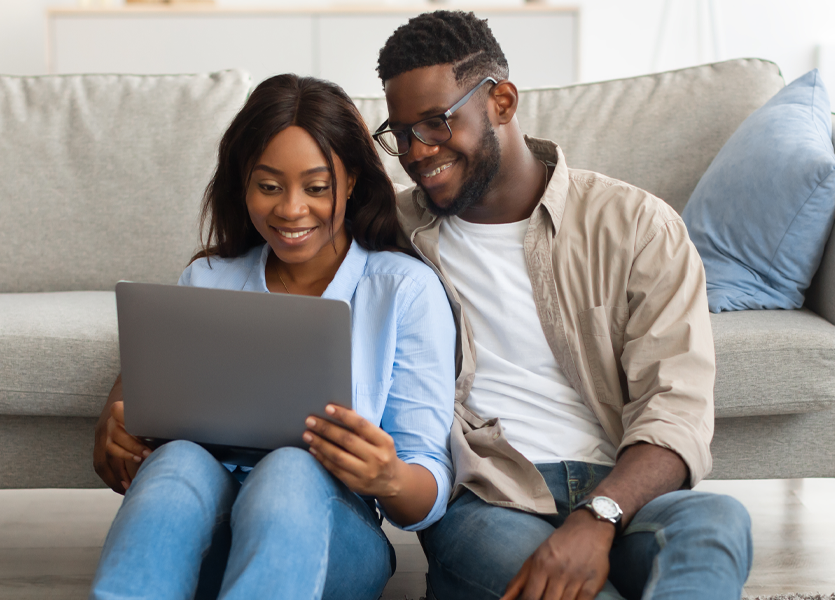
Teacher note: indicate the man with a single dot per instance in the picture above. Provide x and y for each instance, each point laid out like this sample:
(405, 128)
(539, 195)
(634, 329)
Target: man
(584, 398)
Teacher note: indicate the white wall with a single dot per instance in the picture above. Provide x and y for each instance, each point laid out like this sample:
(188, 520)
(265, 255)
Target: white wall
(618, 37)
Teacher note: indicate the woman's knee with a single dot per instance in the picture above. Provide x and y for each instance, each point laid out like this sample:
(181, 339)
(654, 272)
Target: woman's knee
(181, 462)
(285, 478)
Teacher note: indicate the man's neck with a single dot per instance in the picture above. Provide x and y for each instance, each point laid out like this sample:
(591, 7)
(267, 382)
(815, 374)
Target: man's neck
(516, 189)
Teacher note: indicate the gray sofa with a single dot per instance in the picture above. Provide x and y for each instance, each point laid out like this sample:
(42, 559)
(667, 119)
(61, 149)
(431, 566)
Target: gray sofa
(102, 176)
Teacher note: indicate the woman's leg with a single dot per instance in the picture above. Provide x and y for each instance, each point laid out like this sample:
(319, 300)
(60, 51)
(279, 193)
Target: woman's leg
(165, 525)
(298, 532)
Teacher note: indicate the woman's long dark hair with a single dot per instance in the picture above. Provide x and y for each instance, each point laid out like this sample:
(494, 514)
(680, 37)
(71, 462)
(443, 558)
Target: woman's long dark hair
(325, 112)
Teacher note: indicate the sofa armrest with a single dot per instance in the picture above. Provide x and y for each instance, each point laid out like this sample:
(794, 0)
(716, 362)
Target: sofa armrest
(820, 296)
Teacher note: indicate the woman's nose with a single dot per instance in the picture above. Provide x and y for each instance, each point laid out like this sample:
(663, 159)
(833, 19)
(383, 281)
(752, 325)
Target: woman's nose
(292, 206)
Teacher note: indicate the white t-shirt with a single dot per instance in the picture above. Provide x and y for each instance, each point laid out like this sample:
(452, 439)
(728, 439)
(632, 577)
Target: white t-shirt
(517, 377)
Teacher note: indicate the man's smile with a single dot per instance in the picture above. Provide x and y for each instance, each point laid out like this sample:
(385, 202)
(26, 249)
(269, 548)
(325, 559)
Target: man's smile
(437, 170)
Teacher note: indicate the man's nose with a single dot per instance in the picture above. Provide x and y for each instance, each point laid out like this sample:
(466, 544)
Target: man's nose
(418, 150)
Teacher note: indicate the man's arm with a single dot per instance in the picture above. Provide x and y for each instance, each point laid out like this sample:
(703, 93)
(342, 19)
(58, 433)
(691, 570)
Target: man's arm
(573, 563)
(114, 447)
(668, 360)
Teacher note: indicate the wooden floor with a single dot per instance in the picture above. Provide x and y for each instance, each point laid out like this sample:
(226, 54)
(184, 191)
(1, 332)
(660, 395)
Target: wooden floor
(50, 540)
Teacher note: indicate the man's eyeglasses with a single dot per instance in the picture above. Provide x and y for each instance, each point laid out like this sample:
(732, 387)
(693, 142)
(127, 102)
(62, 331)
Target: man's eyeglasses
(432, 131)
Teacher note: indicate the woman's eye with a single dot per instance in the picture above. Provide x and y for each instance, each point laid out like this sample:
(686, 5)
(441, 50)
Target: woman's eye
(318, 189)
(268, 188)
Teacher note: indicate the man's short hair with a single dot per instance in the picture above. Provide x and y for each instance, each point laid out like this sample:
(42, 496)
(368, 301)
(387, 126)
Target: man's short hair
(440, 38)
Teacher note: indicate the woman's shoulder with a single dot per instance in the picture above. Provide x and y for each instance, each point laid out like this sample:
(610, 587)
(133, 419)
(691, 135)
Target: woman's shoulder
(385, 262)
(217, 272)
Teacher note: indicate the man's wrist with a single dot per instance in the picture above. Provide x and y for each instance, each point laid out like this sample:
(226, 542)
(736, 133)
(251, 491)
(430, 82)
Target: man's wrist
(602, 529)
(603, 509)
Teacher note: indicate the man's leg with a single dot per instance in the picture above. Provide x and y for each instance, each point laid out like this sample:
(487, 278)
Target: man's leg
(298, 532)
(476, 548)
(164, 528)
(684, 545)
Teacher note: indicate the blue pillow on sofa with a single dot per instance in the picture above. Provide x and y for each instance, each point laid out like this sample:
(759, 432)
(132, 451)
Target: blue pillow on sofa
(762, 212)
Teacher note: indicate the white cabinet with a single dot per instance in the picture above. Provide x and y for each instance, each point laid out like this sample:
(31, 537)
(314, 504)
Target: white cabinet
(337, 44)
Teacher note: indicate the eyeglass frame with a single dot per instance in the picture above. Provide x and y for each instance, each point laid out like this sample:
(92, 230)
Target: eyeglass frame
(443, 116)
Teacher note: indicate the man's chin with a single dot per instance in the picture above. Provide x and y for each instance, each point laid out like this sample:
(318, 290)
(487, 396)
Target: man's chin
(446, 206)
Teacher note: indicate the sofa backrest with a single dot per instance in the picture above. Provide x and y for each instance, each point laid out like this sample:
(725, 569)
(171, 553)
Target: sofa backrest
(659, 131)
(101, 176)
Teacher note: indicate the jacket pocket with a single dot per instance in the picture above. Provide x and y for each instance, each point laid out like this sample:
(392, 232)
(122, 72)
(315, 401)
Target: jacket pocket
(602, 328)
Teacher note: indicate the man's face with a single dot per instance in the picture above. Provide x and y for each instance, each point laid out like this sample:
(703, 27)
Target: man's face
(456, 174)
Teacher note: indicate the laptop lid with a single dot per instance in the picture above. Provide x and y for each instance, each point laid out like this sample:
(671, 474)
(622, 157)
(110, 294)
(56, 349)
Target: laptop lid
(229, 369)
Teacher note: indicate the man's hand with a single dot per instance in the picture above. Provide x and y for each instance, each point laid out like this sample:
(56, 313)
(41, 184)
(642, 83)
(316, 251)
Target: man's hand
(572, 564)
(116, 454)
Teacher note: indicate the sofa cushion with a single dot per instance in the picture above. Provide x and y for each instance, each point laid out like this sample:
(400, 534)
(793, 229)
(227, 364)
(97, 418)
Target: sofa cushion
(773, 362)
(101, 176)
(658, 131)
(820, 297)
(59, 353)
(762, 212)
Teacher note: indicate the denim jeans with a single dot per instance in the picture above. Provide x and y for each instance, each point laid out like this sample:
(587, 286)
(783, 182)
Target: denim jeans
(187, 526)
(683, 545)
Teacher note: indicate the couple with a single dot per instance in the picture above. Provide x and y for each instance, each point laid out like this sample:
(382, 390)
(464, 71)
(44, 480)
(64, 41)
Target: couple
(556, 350)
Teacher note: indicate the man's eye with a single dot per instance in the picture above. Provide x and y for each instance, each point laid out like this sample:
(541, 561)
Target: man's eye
(434, 124)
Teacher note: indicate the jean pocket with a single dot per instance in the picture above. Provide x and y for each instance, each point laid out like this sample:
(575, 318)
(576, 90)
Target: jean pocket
(602, 328)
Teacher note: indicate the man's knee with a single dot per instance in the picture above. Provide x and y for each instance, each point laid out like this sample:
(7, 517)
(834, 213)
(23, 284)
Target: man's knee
(476, 548)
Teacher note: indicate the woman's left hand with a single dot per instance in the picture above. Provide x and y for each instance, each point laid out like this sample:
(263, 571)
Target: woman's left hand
(359, 454)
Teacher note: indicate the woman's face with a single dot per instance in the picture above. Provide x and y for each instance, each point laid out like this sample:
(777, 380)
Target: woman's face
(290, 198)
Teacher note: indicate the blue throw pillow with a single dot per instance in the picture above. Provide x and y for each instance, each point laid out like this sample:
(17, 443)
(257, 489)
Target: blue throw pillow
(762, 212)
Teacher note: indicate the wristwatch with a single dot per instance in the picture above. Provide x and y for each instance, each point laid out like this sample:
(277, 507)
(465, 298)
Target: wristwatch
(604, 509)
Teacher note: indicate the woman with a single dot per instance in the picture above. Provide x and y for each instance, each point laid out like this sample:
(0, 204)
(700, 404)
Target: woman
(300, 204)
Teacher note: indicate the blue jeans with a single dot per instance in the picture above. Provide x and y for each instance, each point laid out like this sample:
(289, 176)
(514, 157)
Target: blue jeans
(187, 528)
(683, 545)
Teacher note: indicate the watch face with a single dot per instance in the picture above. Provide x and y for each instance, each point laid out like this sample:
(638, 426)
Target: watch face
(605, 507)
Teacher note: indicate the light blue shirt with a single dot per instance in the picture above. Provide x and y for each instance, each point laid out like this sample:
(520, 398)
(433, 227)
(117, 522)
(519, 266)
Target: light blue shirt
(402, 348)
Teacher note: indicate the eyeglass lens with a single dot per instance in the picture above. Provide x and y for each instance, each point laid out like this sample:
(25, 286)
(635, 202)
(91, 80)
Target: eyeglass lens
(431, 132)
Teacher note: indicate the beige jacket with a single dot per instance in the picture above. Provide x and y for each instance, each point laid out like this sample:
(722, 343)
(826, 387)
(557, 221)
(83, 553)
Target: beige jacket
(620, 292)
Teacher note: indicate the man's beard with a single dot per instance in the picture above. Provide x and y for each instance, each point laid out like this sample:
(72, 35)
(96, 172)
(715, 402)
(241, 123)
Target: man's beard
(485, 166)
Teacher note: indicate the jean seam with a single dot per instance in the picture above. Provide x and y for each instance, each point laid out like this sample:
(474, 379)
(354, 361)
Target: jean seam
(457, 576)
(661, 540)
(642, 528)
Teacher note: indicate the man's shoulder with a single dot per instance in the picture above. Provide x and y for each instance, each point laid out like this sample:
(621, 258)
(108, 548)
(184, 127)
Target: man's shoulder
(616, 200)
(409, 212)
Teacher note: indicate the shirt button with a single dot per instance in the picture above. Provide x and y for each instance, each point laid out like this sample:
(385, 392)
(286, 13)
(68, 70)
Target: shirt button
(496, 435)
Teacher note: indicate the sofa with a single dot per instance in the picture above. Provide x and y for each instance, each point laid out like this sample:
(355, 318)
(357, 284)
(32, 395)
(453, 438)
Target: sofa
(101, 177)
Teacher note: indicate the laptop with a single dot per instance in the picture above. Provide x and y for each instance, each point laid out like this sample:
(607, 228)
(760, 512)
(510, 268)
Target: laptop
(236, 372)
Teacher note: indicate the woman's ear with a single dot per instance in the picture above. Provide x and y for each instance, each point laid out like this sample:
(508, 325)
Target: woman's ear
(506, 97)
(352, 181)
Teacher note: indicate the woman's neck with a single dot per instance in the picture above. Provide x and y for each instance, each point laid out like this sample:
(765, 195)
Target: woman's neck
(312, 277)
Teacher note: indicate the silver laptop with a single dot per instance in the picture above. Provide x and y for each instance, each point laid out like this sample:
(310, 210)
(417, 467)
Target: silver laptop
(236, 372)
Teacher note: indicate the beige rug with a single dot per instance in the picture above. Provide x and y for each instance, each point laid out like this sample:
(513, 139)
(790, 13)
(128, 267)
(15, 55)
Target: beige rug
(793, 597)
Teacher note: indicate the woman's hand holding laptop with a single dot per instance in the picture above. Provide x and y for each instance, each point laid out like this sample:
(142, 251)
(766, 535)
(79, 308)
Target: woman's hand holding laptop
(363, 457)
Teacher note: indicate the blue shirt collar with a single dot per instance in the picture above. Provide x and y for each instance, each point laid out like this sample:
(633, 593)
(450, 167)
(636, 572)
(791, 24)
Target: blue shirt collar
(348, 276)
(344, 283)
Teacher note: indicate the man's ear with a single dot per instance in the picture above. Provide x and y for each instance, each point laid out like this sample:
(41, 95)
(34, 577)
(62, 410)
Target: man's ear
(506, 97)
